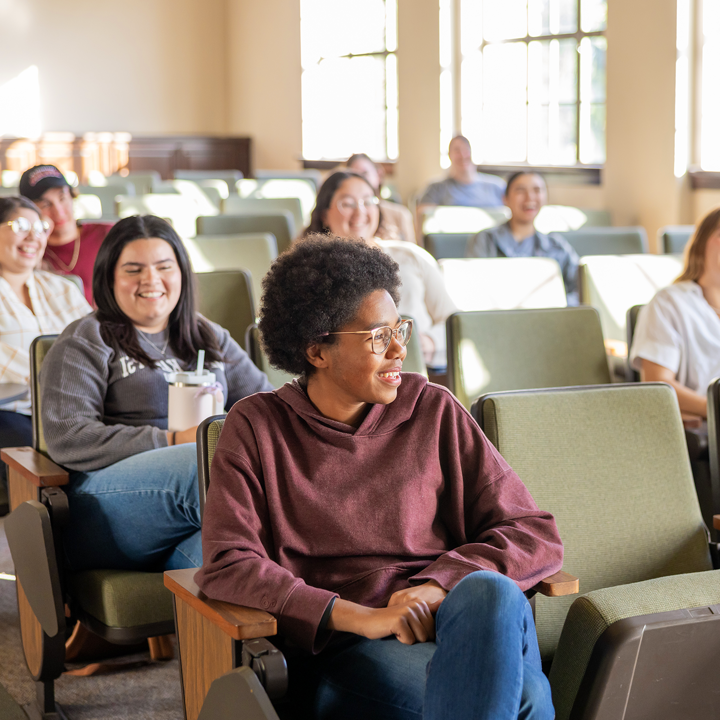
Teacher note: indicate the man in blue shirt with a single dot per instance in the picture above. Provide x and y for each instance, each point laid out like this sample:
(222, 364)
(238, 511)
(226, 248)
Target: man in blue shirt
(525, 194)
(464, 184)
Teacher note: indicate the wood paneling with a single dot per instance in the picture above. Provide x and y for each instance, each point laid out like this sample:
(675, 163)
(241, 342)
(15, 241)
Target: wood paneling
(31, 633)
(206, 653)
(169, 153)
(113, 152)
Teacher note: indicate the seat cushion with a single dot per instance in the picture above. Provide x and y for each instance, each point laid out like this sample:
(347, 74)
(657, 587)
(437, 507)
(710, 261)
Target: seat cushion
(122, 598)
(591, 614)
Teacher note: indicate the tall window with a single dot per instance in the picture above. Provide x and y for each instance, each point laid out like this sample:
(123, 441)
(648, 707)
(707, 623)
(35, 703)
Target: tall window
(532, 80)
(349, 79)
(709, 84)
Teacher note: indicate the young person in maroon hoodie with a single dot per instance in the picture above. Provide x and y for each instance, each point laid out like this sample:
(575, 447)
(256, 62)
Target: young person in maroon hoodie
(367, 511)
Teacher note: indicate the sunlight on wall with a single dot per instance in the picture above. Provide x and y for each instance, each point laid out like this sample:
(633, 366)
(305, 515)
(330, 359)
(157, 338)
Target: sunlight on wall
(20, 109)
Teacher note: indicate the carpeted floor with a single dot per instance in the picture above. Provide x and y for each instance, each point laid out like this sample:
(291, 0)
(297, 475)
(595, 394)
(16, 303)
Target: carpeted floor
(148, 692)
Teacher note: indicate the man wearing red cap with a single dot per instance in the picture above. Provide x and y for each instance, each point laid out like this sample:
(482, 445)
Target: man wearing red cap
(71, 248)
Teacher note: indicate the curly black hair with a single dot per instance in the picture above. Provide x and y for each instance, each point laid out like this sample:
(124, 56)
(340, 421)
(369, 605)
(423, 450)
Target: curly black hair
(316, 287)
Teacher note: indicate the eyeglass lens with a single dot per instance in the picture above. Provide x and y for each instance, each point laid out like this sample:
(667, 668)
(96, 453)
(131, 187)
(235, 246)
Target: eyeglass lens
(349, 205)
(22, 224)
(383, 335)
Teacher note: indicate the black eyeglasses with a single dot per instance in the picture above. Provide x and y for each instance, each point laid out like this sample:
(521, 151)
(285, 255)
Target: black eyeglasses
(382, 336)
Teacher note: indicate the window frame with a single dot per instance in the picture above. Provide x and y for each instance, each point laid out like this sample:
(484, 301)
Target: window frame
(385, 54)
(578, 36)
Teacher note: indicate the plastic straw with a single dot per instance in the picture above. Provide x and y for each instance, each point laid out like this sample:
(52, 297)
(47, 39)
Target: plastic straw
(201, 361)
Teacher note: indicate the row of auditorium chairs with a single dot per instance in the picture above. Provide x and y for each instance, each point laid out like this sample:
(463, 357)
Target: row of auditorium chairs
(621, 493)
(611, 284)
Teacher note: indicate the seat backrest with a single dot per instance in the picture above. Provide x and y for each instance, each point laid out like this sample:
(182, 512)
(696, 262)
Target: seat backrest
(236, 205)
(228, 176)
(280, 224)
(674, 238)
(225, 297)
(310, 174)
(447, 245)
(180, 210)
(460, 219)
(713, 427)
(254, 347)
(208, 434)
(252, 252)
(302, 188)
(504, 283)
(607, 240)
(38, 350)
(144, 182)
(414, 361)
(631, 321)
(87, 206)
(521, 349)
(612, 284)
(107, 195)
(611, 464)
(561, 218)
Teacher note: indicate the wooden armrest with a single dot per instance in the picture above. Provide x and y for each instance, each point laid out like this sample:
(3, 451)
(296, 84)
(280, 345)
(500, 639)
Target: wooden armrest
(716, 522)
(34, 467)
(561, 583)
(240, 623)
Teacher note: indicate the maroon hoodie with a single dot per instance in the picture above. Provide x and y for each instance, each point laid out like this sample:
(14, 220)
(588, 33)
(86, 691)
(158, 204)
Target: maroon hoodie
(302, 508)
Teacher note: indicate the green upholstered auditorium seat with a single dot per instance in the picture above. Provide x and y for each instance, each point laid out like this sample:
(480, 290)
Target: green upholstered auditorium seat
(504, 283)
(276, 377)
(612, 284)
(610, 462)
(252, 252)
(674, 238)
(280, 224)
(236, 205)
(226, 298)
(607, 240)
(521, 349)
(121, 606)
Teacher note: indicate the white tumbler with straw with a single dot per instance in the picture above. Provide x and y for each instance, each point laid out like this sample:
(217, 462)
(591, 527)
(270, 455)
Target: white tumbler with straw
(193, 396)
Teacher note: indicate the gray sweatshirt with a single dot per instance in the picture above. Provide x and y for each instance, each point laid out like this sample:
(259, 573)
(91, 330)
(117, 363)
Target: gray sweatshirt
(100, 407)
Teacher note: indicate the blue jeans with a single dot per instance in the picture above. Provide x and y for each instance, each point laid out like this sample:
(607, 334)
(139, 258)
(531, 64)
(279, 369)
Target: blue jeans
(15, 431)
(484, 665)
(142, 513)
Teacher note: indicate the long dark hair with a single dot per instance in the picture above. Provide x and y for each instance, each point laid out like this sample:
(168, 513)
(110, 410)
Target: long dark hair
(324, 198)
(9, 205)
(188, 333)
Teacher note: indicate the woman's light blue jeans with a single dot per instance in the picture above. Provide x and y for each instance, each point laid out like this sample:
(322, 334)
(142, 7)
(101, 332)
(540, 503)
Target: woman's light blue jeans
(142, 513)
(484, 665)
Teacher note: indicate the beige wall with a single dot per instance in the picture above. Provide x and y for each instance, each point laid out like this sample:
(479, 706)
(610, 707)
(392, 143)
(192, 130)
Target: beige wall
(144, 66)
(418, 95)
(641, 188)
(264, 75)
(233, 66)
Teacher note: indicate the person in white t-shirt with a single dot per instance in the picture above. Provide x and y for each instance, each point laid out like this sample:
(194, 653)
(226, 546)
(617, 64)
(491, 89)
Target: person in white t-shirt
(677, 338)
(348, 207)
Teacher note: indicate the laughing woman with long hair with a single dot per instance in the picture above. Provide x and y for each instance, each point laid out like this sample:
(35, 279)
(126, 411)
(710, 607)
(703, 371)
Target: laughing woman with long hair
(105, 404)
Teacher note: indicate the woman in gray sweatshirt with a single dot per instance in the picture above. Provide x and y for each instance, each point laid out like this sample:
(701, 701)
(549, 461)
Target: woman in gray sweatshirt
(133, 485)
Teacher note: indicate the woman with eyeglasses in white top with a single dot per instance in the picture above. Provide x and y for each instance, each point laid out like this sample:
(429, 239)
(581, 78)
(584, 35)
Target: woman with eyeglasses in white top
(32, 302)
(348, 207)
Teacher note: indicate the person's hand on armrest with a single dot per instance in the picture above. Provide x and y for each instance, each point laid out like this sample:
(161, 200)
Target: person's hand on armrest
(689, 401)
(180, 437)
(410, 622)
